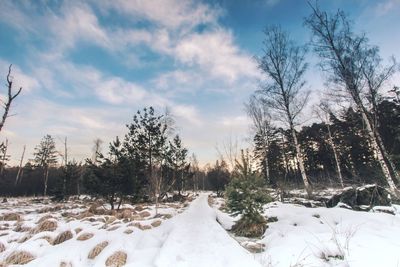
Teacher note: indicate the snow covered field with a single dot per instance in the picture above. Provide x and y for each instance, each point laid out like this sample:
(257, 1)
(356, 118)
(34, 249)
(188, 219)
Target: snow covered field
(304, 236)
(195, 236)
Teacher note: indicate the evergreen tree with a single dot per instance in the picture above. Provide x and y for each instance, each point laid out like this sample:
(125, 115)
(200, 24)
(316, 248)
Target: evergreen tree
(245, 196)
(46, 157)
(177, 156)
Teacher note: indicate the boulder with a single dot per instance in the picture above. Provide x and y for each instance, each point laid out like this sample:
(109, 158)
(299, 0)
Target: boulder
(361, 198)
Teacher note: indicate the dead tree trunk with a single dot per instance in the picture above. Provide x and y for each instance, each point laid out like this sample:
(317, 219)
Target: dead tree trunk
(20, 169)
(4, 156)
(10, 98)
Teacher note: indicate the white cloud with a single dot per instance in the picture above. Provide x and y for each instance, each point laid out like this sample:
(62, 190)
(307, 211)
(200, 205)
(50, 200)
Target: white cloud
(77, 22)
(216, 52)
(187, 113)
(382, 8)
(240, 121)
(168, 13)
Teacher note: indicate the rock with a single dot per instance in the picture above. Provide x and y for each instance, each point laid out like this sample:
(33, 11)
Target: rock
(361, 198)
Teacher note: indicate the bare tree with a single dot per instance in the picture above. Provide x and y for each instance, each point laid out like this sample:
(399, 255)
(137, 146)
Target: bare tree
(194, 168)
(262, 124)
(3, 156)
(229, 151)
(96, 150)
(283, 62)
(10, 98)
(354, 66)
(323, 111)
(20, 168)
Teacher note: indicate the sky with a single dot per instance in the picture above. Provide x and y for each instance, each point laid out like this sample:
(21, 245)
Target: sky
(86, 67)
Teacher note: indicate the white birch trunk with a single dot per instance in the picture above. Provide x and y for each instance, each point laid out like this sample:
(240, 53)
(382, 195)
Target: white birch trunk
(300, 160)
(379, 154)
(335, 154)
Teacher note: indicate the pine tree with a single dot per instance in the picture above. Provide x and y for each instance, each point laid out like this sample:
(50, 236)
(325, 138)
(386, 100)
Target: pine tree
(45, 158)
(245, 196)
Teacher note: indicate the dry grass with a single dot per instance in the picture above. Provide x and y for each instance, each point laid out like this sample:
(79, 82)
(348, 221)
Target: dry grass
(25, 238)
(145, 214)
(65, 264)
(141, 226)
(44, 218)
(117, 259)
(62, 237)
(97, 250)
(11, 217)
(110, 219)
(2, 247)
(20, 228)
(128, 231)
(51, 209)
(113, 228)
(84, 214)
(46, 225)
(85, 236)
(19, 257)
(156, 223)
(47, 238)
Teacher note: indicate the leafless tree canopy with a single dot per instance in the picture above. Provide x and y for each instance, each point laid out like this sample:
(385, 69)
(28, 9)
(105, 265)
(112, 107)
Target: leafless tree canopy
(284, 63)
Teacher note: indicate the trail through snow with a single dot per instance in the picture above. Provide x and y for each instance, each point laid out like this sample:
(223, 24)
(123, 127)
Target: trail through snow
(192, 238)
(195, 238)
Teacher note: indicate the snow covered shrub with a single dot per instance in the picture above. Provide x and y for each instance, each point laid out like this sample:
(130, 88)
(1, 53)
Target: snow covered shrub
(97, 250)
(85, 236)
(46, 225)
(117, 259)
(19, 258)
(62, 237)
(245, 196)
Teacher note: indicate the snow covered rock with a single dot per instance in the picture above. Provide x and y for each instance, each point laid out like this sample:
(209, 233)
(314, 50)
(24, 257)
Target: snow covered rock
(361, 198)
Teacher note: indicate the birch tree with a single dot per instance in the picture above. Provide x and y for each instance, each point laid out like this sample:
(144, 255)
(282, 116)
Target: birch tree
(351, 64)
(323, 112)
(283, 62)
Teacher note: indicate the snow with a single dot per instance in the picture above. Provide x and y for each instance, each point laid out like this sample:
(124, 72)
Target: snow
(196, 239)
(191, 238)
(196, 236)
(330, 237)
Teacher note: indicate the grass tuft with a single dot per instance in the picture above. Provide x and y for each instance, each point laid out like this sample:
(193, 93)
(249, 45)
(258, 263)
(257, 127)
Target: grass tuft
(117, 259)
(19, 258)
(97, 250)
(62, 237)
(85, 236)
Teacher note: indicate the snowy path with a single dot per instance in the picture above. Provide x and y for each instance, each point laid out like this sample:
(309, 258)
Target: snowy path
(195, 238)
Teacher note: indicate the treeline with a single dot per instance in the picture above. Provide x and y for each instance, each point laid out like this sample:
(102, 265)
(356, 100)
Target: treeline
(149, 162)
(344, 135)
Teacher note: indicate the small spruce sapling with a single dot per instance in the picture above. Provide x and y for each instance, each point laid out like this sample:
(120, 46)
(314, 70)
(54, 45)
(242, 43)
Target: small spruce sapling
(245, 196)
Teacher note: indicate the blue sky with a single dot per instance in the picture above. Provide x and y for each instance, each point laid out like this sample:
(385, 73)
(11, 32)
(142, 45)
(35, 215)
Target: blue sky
(87, 66)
